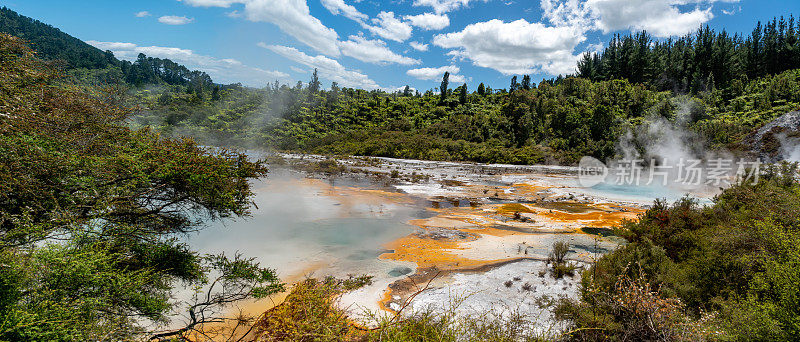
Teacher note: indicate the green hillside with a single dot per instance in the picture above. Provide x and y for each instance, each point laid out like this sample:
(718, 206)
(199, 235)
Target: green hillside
(52, 44)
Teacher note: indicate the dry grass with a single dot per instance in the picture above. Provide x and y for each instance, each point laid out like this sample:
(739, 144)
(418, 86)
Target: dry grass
(310, 314)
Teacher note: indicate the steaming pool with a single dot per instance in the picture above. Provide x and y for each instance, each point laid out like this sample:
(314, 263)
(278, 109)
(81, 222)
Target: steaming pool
(302, 226)
(472, 224)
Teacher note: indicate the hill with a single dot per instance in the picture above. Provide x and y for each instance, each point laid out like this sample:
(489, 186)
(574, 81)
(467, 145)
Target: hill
(52, 44)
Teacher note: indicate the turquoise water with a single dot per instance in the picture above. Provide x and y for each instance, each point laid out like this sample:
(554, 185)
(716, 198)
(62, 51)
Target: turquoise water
(641, 192)
(300, 227)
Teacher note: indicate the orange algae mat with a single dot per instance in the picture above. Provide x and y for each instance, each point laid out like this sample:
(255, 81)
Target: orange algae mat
(437, 252)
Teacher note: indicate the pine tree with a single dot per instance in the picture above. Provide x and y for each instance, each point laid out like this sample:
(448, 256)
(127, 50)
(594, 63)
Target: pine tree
(462, 95)
(314, 85)
(684, 63)
(443, 87)
(526, 82)
(514, 84)
(481, 89)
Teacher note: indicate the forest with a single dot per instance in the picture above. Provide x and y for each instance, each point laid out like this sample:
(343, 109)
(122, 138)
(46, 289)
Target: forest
(103, 167)
(700, 61)
(96, 66)
(91, 212)
(716, 85)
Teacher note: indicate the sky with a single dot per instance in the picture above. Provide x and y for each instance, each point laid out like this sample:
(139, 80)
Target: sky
(372, 44)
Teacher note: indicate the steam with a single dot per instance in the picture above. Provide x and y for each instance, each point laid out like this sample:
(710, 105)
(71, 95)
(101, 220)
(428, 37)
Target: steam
(790, 147)
(663, 140)
(241, 119)
(664, 149)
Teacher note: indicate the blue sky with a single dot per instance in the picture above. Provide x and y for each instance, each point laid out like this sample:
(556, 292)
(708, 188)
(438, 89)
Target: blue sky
(383, 44)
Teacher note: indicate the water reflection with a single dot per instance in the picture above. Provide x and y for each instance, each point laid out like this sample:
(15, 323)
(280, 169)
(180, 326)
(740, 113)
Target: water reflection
(304, 225)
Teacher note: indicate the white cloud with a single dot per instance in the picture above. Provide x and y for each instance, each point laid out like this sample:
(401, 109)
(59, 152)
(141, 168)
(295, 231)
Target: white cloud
(113, 46)
(210, 3)
(429, 21)
(436, 74)
(328, 68)
(566, 13)
(442, 6)
(732, 11)
(389, 27)
(220, 70)
(340, 7)
(372, 51)
(385, 25)
(298, 70)
(291, 16)
(403, 88)
(517, 47)
(419, 46)
(142, 14)
(661, 18)
(175, 20)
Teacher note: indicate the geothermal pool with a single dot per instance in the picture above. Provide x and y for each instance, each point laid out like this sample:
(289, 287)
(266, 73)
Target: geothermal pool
(314, 227)
(403, 221)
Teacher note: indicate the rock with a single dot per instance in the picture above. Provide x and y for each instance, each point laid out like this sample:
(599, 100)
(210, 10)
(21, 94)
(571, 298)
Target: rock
(777, 140)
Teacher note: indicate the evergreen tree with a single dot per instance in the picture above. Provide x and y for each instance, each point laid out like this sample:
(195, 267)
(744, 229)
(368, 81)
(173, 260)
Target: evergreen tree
(685, 63)
(481, 89)
(526, 82)
(314, 85)
(462, 95)
(443, 87)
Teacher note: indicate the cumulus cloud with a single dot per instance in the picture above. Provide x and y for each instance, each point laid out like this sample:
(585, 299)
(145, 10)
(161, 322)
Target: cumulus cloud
(291, 16)
(175, 20)
(142, 14)
(442, 6)
(436, 74)
(661, 18)
(419, 46)
(220, 70)
(517, 47)
(372, 51)
(328, 68)
(340, 7)
(389, 27)
(429, 21)
(385, 25)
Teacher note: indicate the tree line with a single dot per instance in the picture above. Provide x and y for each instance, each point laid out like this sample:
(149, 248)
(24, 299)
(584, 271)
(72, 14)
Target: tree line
(702, 60)
(50, 43)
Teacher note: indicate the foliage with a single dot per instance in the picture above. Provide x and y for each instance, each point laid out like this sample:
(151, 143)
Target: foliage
(52, 44)
(549, 123)
(729, 265)
(91, 211)
(102, 67)
(703, 60)
(309, 313)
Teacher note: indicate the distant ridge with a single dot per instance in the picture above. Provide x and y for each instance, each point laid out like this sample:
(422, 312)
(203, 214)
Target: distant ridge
(52, 44)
